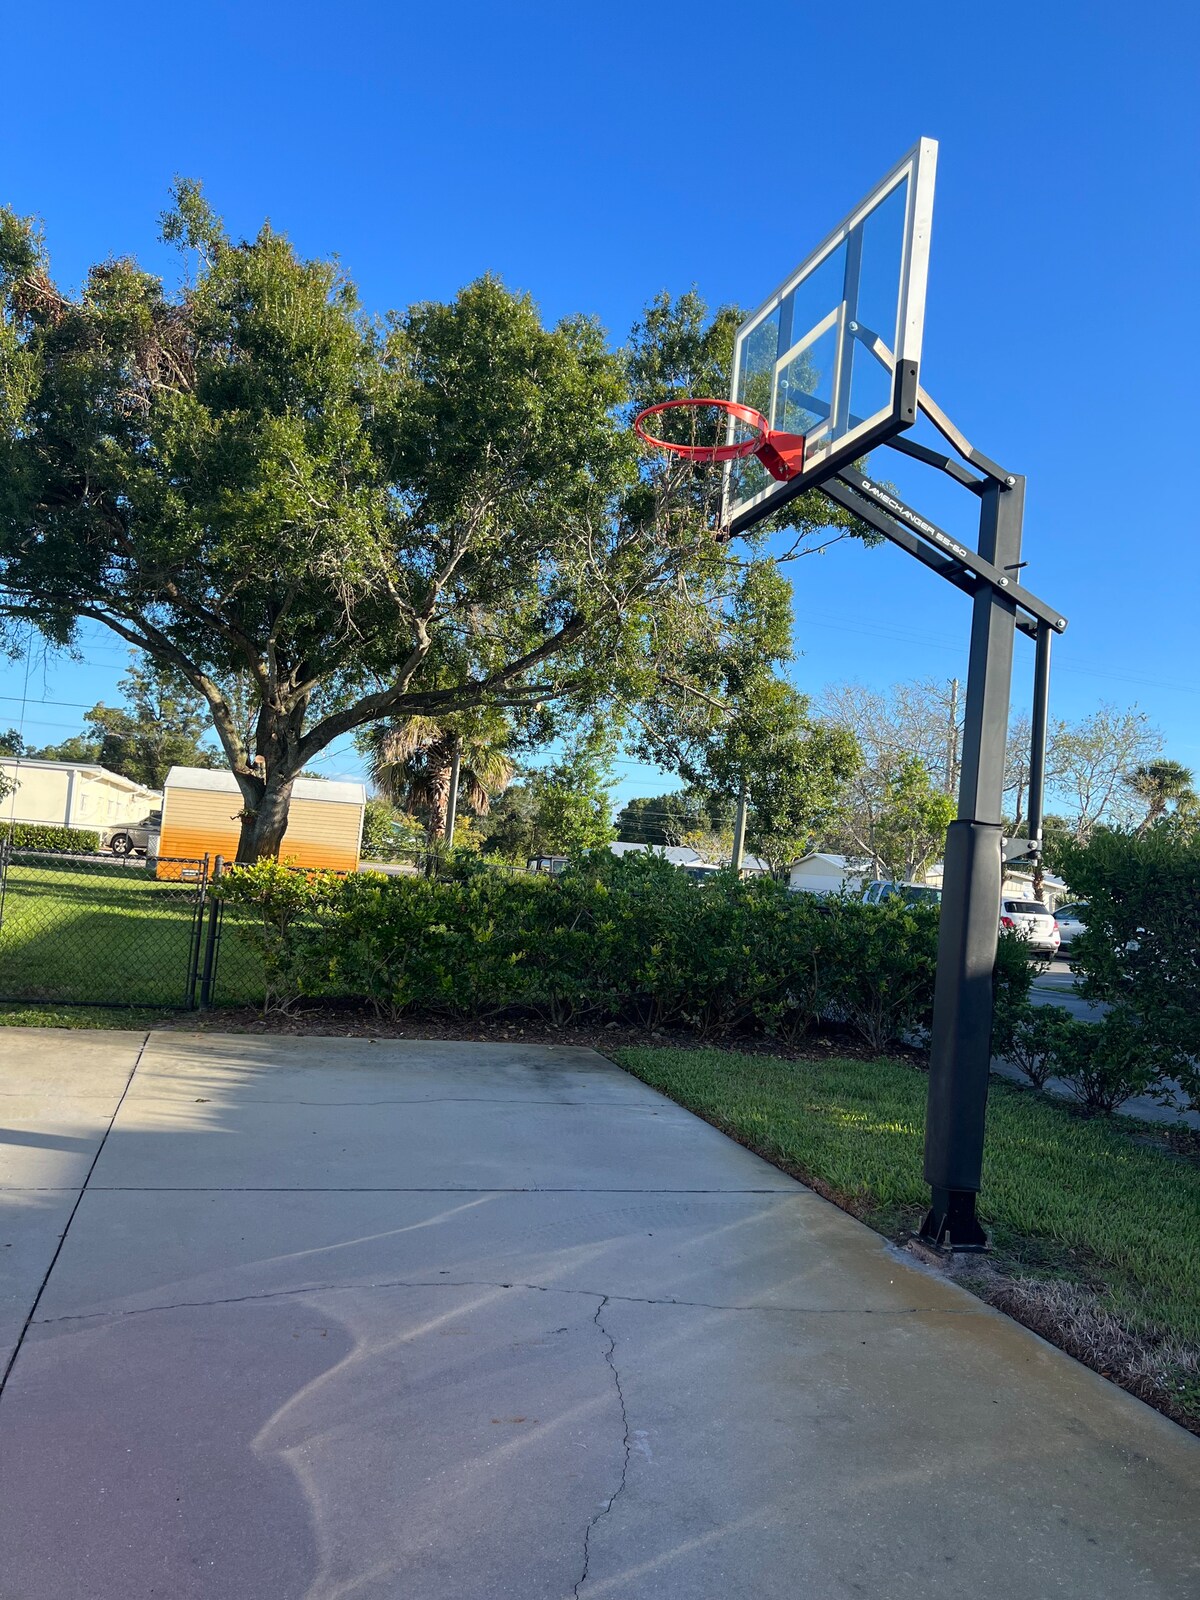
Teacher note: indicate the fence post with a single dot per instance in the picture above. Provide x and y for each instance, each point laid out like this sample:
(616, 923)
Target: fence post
(210, 941)
(193, 964)
(5, 854)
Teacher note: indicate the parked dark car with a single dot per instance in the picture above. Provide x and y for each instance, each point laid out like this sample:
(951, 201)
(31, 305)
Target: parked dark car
(134, 838)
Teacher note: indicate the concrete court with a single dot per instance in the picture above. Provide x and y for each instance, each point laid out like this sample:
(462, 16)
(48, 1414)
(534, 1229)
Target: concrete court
(407, 1321)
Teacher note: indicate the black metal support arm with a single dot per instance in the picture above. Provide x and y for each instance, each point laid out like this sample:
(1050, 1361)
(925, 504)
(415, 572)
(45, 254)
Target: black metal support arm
(964, 558)
(1037, 742)
(929, 407)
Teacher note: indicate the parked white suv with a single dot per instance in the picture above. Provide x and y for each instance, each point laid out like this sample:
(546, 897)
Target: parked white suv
(1034, 922)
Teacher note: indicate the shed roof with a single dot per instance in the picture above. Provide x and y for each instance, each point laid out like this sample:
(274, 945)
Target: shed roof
(828, 858)
(338, 791)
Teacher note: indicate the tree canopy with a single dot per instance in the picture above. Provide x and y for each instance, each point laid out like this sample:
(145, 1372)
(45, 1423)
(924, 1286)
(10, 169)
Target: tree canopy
(161, 725)
(1167, 788)
(334, 518)
(411, 761)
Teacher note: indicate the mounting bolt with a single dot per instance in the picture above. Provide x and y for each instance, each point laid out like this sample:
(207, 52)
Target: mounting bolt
(1004, 583)
(1010, 480)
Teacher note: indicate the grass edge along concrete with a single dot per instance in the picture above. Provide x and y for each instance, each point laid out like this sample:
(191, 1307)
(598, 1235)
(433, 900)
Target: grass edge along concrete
(1093, 1220)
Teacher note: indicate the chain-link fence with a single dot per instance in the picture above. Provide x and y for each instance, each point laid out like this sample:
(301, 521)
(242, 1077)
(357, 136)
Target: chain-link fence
(80, 929)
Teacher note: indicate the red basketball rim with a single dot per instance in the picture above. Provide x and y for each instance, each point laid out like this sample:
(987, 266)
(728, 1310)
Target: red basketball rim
(707, 452)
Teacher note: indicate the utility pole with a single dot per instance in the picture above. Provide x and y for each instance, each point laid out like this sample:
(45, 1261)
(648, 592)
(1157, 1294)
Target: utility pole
(952, 741)
(739, 831)
(452, 796)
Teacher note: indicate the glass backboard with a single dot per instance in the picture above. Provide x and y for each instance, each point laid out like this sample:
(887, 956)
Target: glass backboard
(835, 352)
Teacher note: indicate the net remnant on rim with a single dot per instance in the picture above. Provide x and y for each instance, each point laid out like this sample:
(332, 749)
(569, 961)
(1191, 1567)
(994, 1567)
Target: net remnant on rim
(782, 454)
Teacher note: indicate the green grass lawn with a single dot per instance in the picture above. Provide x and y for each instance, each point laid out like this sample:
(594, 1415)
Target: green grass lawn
(21, 1014)
(102, 932)
(1064, 1195)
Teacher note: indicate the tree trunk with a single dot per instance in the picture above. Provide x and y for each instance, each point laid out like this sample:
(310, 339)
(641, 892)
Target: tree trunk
(264, 824)
(439, 798)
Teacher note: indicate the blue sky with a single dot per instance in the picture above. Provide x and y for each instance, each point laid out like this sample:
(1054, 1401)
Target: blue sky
(594, 155)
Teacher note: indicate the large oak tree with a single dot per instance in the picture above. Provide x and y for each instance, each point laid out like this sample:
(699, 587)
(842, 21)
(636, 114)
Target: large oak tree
(257, 484)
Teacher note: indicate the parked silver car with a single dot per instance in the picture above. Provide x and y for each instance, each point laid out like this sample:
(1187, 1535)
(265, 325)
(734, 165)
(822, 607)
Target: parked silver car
(912, 894)
(135, 838)
(1072, 920)
(1034, 922)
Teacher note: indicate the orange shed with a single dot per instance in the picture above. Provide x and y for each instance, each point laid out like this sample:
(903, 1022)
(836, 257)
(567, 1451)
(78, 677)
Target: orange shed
(201, 817)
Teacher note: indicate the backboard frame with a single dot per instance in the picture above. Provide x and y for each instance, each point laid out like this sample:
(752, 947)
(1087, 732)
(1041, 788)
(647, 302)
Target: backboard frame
(919, 170)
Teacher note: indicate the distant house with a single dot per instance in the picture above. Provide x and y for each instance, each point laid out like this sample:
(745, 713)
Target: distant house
(682, 855)
(822, 872)
(202, 816)
(679, 855)
(73, 794)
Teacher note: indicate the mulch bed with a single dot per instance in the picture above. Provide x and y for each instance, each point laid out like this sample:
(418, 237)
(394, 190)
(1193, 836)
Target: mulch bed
(355, 1022)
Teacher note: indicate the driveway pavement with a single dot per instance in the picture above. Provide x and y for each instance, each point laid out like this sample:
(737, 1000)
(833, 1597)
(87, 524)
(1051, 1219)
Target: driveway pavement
(408, 1321)
(1054, 985)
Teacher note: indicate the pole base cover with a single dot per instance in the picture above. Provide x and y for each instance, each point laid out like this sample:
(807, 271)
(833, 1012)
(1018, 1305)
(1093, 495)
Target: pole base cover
(951, 1223)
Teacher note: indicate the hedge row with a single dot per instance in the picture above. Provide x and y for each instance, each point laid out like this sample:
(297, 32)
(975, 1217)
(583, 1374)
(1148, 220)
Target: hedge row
(42, 836)
(628, 939)
(1139, 956)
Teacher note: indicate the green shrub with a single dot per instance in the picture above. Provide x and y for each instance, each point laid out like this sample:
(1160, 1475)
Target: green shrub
(628, 939)
(42, 836)
(1037, 1040)
(1104, 1063)
(290, 911)
(1140, 950)
(1107, 1062)
(389, 834)
(1012, 983)
(882, 962)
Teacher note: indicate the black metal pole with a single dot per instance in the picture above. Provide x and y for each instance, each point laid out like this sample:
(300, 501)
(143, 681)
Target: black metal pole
(961, 1044)
(193, 966)
(210, 942)
(1037, 739)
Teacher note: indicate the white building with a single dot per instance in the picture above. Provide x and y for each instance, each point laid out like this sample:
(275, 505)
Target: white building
(73, 794)
(682, 855)
(679, 855)
(822, 872)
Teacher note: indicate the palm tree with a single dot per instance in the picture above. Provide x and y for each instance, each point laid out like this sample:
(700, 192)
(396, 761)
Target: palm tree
(1161, 784)
(410, 763)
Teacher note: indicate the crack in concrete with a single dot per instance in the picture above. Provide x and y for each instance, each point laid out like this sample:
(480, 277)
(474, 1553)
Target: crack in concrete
(625, 1447)
(479, 1283)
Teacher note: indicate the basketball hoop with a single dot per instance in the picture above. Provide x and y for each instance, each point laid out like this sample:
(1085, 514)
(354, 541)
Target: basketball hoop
(782, 454)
